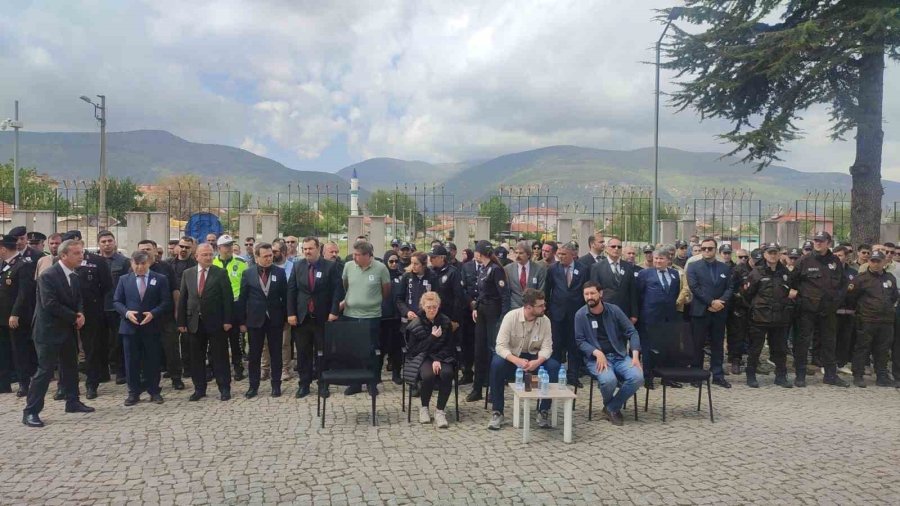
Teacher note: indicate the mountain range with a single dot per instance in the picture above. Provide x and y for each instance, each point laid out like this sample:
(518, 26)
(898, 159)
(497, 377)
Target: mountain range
(572, 174)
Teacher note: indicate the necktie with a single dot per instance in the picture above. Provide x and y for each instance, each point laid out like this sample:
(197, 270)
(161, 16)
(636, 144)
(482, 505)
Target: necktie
(523, 280)
(615, 268)
(202, 282)
(73, 284)
(569, 276)
(311, 306)
(142, 286)
(665, 281)
(264, 276)
(712, 272)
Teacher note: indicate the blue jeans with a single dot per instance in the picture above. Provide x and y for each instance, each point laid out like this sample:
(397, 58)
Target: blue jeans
(619, 368)
(502, 369)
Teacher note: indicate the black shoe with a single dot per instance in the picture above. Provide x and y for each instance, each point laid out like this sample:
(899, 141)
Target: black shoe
(614, 418)
(467, 378)
(859, 381)
(22, 392)
(736, 366)
(389, 367)
(32, 420)
(59, 395)
(672, 384)
(751, 380)
(131, 400)
(196, 396)
(324, 392)
(474, 395)
(576, 383)
(353, 389)
(120, 379)
(882, 381)
(225, 394)
(91, 393)
(156, 399)
(800, 381)
(276, 390)
(78, 407)
(414, 390)
(106, 378)
(177, 384)
(722, 382)
(835, 381)
(251, 393)
(302, 392)
(782, 381)
(166, 375)
(396, 379)
(648, 384)
(239, 375)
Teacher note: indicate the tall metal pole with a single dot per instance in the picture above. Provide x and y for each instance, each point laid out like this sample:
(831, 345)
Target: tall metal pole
(654, 225)
(102, 204)
(16, 127)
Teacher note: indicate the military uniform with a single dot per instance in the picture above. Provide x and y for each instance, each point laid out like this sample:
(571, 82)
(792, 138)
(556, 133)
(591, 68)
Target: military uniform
(766, 292)
(875, 296)
(95, 281)
(17, 299)
(737, 323)
(491, 301)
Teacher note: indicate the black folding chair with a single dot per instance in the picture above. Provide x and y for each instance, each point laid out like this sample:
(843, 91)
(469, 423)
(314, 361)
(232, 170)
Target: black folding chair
(406, 403)
(349, 356)
(591, 400)
(670, 358)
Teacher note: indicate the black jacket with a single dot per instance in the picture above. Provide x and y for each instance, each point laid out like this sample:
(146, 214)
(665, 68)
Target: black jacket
(420, 340)
(254, 305)
(326, 293)
(57, 307)
(17, 290)
(821, 282)
(96, 282)
(213, 308)
(450, 287)
(874, 296)
(411, 289)
(619, 290)
(767, 293)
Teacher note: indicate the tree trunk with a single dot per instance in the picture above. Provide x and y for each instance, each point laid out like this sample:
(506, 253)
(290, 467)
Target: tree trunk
(867, 192)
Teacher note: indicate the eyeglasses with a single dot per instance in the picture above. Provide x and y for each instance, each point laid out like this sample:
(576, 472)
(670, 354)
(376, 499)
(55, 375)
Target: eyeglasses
(807, 249)
(708, 248)
(291, 242)
(248, 244)
(864, 252)
(743, 257)
(615, 246)
(392, 261)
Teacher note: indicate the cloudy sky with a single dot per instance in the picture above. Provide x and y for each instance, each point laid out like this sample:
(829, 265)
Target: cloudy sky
(319, 85)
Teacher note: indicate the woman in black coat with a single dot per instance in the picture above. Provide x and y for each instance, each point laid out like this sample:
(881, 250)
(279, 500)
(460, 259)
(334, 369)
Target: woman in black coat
(392, 340)
(431, 350)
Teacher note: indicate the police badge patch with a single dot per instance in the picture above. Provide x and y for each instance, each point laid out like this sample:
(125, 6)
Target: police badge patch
(832, 266)
(501, 283)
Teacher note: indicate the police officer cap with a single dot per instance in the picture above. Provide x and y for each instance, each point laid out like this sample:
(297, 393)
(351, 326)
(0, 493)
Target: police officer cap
(224, 239)
(8, 241)
(877, 255)
(822, 236)
(405, 245)
(807, 245)
(17, 231)
(71, 234)
(438, 251)
(649, 248)
(725, 248)
(395, 242)
(36, 236)
(771, 246)
(795, 253)
(484, 247)
(680, 244)
(502, 252)
(756, 255)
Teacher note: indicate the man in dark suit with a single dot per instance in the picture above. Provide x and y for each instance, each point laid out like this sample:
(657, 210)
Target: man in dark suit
(657, 290)
(16, 311)
(711, 287)
(313, 297)
(616, 276)
(523, 274)
(261, 310)
(143, 300)
(204, 311)
(564, 299)
(57, 319)
(597, 246)
(95, 281)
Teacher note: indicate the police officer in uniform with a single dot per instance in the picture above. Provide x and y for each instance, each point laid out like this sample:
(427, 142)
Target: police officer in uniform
(488, 309)
(738, 318)
(846, 319)
(819, 277)
(36, 242)
(874, 293)
(119, 265)
(95, 281)
(17, 299)
(469, 273)
(769, 298)
(22, 244)
(448, 283)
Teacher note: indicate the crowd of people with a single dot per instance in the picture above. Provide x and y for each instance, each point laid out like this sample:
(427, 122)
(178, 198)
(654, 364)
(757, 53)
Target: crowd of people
(211, 310)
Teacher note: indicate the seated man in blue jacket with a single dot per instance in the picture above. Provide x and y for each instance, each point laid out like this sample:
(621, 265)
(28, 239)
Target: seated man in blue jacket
(601, 331)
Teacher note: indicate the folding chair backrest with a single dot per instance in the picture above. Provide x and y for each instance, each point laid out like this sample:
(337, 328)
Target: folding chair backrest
(349, 345)
(666, 343)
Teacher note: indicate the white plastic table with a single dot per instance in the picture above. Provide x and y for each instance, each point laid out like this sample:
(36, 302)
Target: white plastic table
(522, 407)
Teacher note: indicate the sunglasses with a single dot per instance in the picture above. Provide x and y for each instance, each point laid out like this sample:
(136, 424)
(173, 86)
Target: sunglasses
(742, 257)
(248, 244)
(807, 249)
(707, 248)
(392, 261)
(615, 246)
(34, 243)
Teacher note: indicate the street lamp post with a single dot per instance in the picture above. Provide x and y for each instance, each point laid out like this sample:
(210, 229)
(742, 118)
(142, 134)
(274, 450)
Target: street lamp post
(654, 225)
(15, 124)
(100, 115)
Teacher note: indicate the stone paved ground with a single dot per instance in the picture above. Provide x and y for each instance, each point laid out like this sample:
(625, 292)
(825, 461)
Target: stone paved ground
(773, 446)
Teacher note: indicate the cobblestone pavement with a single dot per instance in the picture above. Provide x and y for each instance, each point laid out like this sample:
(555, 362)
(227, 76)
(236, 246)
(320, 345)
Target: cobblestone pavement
(774, 446)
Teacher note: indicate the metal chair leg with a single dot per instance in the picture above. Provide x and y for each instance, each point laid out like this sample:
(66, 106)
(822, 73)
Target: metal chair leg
(590, 400)
(709, 394)
(403, 396)
(487, 395)
(699, 394)
(374, 421)
(635, 407)
(646, 398)
(409, 410)
(456, 393)
(664, 402)
(322, 418)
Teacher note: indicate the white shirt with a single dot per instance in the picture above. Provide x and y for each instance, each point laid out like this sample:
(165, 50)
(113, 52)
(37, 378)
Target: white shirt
(519, 268)
(667, 276)
(68, 272)
(614, 265)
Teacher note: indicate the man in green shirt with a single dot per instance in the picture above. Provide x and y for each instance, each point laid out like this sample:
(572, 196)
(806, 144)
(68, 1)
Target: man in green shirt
(234, 267)
(366, 284)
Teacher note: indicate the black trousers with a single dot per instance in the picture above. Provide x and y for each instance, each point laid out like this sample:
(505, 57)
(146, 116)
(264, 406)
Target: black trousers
(736, 330)
(895, 349)
(307, 338)
(269, 333)
(486, 328)
(143, 352)
(564, 349)
(823, 325)
(777, 347)
(6, 359)
(94, 339)
(711, 327)
(467, 343)
(49, 356)
(171, 347)
(217, 342)
(24, 355)
(428, 380)
(391, 342)
(844, 339)
(874, 337)
(234, 341)
(114, 343)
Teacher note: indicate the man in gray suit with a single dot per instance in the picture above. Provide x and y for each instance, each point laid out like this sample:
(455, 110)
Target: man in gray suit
(58, 317)
(523, 273)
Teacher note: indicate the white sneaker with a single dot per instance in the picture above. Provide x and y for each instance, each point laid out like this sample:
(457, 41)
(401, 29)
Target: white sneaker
(845, 370)
(496, 421)
(440, 419)
(543, 419)
(424, 417)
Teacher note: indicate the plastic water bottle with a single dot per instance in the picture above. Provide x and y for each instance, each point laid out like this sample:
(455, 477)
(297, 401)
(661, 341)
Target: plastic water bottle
(520, 379)
(545, 382)
(561, 380)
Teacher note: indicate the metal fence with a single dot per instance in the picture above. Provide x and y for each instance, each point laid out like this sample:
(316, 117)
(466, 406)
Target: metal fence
(823, 210)
(303, 210)
(625, 213)
(529, 211)
(730, 214)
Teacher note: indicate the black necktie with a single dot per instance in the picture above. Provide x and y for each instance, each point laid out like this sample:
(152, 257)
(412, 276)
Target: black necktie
(73, 284)
(665, 281)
